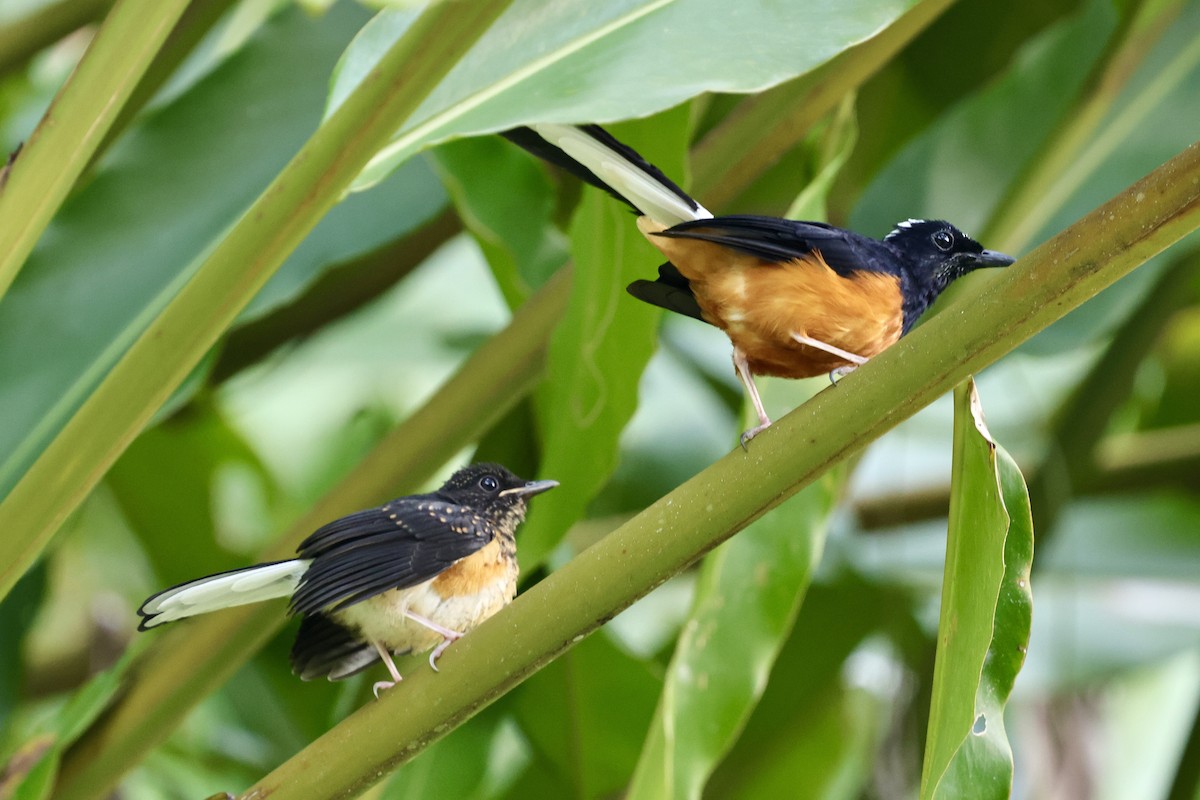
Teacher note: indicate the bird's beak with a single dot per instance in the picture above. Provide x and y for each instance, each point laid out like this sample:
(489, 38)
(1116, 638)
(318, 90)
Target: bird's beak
(531, 488)
(991, 258)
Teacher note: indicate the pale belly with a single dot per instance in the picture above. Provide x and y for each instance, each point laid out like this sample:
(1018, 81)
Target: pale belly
(382, 618)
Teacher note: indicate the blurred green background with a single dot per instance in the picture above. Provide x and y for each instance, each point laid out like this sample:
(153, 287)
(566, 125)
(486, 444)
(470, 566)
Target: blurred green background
(1012, 120)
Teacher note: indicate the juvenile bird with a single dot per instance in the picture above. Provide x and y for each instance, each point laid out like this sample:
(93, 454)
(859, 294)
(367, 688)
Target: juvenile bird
(796, 299)
(413, 574)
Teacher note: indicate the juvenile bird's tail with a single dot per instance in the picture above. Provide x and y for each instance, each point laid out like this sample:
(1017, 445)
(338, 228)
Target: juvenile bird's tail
(591, 154)
(223, 590)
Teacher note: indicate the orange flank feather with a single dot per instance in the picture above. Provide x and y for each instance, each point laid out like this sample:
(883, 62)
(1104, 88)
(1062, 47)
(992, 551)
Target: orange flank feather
(475, 573)
(760, 304)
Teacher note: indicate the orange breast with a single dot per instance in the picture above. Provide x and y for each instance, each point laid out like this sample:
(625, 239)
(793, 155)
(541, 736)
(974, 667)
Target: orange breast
(760, 304)
(476, 573)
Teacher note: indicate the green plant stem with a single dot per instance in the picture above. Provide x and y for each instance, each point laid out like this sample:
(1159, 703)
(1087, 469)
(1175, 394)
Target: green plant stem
(338, 292)
(679, 528)
(73, 127)
(193, 26)
(1070, 458)
(724, 166)
(1077, 459)
(1155, 458)
(204, 653)
(1079, 145)
(173, 343)
(21, 39)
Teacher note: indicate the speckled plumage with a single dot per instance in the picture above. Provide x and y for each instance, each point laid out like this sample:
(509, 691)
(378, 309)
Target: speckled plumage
(412, 574)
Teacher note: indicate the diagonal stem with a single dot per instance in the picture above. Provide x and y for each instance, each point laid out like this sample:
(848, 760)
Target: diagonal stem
(673, 532)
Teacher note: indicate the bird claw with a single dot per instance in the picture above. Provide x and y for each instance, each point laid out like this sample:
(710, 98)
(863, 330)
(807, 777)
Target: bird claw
(447, 640)
(380, 686)
(841, 372)
(751, 433)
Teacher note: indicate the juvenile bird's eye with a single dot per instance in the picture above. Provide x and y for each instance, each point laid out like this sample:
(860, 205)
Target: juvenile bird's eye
(943, 240)
(489, 483)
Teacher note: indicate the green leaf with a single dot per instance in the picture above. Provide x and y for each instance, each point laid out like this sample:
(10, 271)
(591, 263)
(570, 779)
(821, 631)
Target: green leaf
(991, 130)
(505, 200)
(31, 771)
(810, 733)
(749, 592)
(473, 763)
(174, 482)
(120, 248)
(599, 351)
(17, 613)
(580, 735)
(227, 277)
(358, 225)
(64, 142)
(985, 618)
(564, 70)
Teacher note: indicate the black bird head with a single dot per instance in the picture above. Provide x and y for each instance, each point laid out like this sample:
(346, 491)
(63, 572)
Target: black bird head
(492, 490)
(934, 253)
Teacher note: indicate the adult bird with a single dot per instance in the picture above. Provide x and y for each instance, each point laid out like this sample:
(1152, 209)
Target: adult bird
(797, 299)
(413, 574)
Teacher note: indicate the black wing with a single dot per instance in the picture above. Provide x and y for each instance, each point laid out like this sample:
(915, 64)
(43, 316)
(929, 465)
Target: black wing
(401, 544)
(670, 291)
(781, 240)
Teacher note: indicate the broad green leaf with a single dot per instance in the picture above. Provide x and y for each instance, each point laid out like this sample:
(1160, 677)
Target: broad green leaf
(563, 70)
(839, 137)
(826, 755)
(811, 733)
(599, 351)
(176, 487)
(582, 735)
(985, 618)
(476, 762)
(505, 200)
(17, 612)
(35, 764)
(992, 131)
(120, 248)
(960, 53)
(357, 226)
(62, 145)
(227, 277)
(749, 592)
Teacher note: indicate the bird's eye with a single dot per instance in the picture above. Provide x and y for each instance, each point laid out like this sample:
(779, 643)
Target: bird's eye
(489, 483)
(943, 240)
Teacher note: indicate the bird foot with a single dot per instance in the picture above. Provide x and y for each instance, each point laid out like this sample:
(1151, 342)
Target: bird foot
(752, 432)
(379, 686)
(841, 372)
(448, 639)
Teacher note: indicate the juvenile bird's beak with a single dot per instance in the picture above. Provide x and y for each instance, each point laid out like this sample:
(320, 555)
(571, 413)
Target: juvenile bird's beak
(991, 258)
(531, 488)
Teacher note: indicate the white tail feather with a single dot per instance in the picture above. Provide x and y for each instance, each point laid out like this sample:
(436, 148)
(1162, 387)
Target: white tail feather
(228, 589)
(649, 195)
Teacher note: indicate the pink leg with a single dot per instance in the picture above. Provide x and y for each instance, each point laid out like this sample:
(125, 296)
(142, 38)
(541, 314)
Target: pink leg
(742, 367)
(828, 348)
(449, 637)
(390, 664)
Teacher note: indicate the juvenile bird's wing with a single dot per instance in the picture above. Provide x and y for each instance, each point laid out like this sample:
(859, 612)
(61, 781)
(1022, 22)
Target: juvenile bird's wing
(784, 240)
(400, 544)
